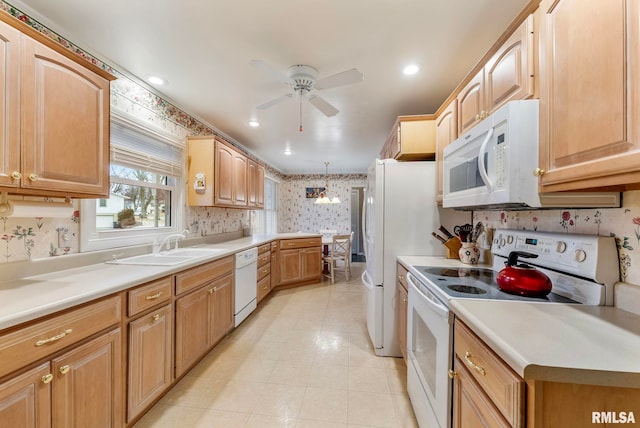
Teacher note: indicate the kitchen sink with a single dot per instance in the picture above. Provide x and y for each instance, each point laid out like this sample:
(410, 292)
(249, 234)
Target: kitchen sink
(168, 258)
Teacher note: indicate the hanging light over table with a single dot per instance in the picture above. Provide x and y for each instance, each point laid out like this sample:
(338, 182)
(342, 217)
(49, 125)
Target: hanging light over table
(324, 198)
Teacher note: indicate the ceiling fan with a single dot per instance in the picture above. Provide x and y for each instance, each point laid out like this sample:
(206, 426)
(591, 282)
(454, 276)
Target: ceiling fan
(303, 79)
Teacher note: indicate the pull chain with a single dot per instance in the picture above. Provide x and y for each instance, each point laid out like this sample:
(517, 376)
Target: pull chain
(300, 129)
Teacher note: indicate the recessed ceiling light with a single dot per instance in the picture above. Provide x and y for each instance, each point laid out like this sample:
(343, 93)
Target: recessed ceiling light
(155, 80)
(287, 152)
(254, 123)
(411, 69)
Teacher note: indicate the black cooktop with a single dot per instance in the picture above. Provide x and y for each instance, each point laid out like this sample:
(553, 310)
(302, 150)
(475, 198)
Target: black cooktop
(477, 283)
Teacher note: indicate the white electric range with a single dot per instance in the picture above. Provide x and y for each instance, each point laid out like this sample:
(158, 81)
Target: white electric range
(582, 269)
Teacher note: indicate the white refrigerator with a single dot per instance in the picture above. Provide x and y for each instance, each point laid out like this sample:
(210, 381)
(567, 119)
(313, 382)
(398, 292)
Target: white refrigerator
(399, 213)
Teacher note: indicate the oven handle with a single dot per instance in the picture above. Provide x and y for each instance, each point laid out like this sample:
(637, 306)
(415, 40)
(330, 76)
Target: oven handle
(482, 168)
(432, 300)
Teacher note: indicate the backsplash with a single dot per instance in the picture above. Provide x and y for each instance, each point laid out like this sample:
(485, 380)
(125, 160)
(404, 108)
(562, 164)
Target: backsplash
(296, 212)
(622, 223)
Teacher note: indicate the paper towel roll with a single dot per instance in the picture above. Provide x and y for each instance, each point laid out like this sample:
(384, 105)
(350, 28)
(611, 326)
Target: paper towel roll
(36, 209)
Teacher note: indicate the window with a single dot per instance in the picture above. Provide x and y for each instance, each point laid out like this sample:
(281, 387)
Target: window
(266, 221)
(146, 170)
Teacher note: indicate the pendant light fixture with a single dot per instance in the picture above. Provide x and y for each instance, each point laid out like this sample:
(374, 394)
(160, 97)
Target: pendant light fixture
(323, 198)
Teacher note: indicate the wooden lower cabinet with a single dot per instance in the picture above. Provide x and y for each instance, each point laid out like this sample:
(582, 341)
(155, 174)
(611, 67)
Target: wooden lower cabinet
(203, 317)
(300, 265)
(150, 359)
(403, 307)
(25, 400)
(87, 384)
(80, 388)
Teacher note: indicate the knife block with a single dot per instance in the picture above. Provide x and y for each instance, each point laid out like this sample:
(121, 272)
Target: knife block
(453, 246)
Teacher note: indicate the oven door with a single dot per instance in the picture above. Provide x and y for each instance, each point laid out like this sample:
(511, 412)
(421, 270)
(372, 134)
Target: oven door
(429, 351)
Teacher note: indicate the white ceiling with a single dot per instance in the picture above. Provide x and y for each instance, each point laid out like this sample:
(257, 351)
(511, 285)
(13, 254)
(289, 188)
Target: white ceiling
(204, 49)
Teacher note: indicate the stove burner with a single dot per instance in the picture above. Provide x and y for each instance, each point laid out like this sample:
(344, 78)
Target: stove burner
(462, 272)
(467, 289)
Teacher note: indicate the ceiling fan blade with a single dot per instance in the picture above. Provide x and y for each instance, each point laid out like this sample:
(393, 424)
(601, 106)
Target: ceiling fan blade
(270, 71)
(345, 78)
(274, 101)
(322, 105)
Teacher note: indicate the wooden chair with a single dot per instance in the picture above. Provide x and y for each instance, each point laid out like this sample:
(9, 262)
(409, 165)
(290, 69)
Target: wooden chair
(339, 257)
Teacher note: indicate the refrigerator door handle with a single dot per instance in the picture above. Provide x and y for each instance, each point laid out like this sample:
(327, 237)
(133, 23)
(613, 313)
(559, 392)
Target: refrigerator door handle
(365, 234)
(366, 282)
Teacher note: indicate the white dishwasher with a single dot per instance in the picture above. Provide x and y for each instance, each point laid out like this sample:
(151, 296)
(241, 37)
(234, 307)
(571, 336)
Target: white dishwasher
(246, 278)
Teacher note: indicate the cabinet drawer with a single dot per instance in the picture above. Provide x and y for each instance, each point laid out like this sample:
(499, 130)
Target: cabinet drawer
(497, 380)
(300, 243)
(42, 338)
(149, 295)
(401, 276)
(264, 287)
(264, 271)
(264, 248)
(193, 278)
(263, 259)
(274, 245)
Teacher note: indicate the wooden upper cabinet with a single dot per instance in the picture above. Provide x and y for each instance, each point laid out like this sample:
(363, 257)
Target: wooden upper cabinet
(589, 95)
(508, 75)
(9, 105)
(219, 175)
(255, 184)
(54, 116)
(446, 132)
(471, 103)
(411, 138)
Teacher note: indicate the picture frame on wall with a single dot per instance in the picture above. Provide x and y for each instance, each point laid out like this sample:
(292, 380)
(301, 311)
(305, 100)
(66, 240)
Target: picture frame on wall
(314, 192)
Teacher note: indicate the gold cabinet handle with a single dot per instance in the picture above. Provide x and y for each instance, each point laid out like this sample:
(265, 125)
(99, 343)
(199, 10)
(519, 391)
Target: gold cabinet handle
(467, 358)
(47, 378)
(154, 296)
(16, 175)
(156, 317)
(33, 177)
(64, 369)
(452, 374)
(539, 172)
(477, 117)
(54, 338)
(213, 290)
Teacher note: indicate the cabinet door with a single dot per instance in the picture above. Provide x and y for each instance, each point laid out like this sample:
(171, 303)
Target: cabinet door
(290, 266)
(446, 132)
(471, 407)
(471, 103)
(192, 329)
(223, 171)
(86, 384)
(64, 124)
(311, 261)
(509, 73)
(150, 350)
(402, 319)
(252, 183)
(221, 292)
(260, 186)
(275, 267)
(589, 94)
(25, 401)
(240, 195)
(9, 105)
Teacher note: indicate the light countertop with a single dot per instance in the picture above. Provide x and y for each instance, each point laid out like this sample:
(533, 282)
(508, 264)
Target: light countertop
(596, 345)
(27, 298)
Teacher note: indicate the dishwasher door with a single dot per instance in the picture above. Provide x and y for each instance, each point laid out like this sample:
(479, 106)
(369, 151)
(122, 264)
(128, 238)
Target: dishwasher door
(246, 279)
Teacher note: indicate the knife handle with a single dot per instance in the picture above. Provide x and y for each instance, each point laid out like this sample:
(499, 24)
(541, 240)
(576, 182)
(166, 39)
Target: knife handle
(445, 231)
(438, 237)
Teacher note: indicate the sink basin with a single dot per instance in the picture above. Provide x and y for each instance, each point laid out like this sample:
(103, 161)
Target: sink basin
(168, 258)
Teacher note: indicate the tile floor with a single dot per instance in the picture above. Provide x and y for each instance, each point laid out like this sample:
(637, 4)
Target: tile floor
(303, 359)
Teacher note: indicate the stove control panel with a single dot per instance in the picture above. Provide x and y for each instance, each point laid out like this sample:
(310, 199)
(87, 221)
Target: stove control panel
(588, 256)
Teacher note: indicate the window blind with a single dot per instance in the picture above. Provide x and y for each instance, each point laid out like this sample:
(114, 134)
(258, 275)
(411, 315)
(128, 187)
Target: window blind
(135, 147)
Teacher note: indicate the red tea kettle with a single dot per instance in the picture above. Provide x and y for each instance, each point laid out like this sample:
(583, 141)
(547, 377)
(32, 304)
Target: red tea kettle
(523, 279)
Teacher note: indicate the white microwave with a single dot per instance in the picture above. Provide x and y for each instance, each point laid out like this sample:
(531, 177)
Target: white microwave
(492, 166)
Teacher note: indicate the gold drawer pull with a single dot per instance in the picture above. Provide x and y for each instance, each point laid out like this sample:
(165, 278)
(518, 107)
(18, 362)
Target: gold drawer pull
(47, 378)
(54, 338)
(467, 358)
(154, 296)
(16, 175)
(156, 317)
(33, 177)
(64, 369)
(213, 290)
(452, 374)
